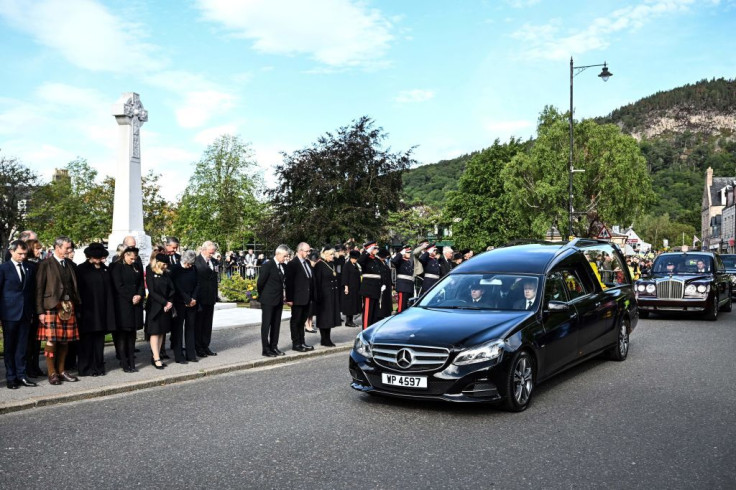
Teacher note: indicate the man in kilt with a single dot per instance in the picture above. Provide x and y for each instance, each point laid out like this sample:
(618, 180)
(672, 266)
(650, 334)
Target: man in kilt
(57, 298)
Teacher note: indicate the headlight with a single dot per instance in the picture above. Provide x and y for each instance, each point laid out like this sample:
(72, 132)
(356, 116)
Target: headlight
(483, 352)
(640, 288)
(362, 347)
(697, 290)
(651, 288)
(690, 289)
(702, 288)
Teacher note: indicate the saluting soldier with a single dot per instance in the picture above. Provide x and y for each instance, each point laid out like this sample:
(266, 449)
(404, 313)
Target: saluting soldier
(386, 301)
(350, 282)
(404, 264)
(370, 286)
(431, 267)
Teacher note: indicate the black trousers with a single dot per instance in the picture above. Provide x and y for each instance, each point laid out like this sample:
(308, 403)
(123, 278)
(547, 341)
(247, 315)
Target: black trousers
(33, 347)
(125, 345)
(15, 337)
(370, 311)
(90, 353)
(182, 330)
(299, 314)
(270, 325)
(203, 330)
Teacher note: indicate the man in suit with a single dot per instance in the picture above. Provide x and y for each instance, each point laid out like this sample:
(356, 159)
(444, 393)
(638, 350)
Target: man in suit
(170, 249)
(477, 295)
(17, 296)
(702, 268)
(57, 299)
(270, 288)
(530, 295)
(299, 292)
(206, 267)
(445, 260)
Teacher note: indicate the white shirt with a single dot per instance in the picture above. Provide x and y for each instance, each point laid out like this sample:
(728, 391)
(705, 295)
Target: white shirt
(16, 264)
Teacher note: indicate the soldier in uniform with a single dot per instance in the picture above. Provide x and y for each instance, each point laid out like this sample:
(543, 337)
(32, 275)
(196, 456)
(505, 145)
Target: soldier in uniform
(403, 262)
(370, 286)
(431, 267)
(386, 301)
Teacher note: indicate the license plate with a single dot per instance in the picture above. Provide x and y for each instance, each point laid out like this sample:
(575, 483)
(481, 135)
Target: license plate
(404, 381)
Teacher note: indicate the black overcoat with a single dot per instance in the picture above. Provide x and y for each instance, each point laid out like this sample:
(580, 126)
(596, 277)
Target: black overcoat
(386, 302)
(97, 311)
(327, 295)
(350, 303)
(160, 292)
(127, 282)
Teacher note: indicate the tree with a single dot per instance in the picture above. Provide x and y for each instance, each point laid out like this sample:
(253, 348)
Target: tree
(219, 203)
(480, 210)
(411, 224)
(17, 183)
(344, 185)
(614, 188)
(74, 205)
(653, 228)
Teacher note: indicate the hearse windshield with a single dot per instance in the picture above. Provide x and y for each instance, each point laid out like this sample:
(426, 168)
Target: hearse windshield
(484, 292)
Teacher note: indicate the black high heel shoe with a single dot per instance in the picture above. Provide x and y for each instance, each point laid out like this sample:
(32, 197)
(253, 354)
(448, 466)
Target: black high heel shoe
(157, 366)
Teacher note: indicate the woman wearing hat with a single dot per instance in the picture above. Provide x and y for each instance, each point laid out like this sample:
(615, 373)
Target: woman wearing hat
(127, 279)
(159, 305)
(327, 295)
(97, 311)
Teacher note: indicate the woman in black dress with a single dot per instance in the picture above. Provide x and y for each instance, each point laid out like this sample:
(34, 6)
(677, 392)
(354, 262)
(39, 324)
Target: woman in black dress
(97, 311)
(159, 305)
(186, 291)
(327, 295)
(127, 280)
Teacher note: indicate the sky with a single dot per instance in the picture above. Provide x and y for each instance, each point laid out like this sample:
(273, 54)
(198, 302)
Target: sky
(446, 77)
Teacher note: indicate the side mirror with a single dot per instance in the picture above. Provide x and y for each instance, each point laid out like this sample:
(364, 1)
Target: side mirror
(412, 301)
(557, 306)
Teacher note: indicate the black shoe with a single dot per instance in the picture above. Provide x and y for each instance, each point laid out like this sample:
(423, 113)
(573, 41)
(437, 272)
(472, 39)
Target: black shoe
(352, 325)
(13, 385)
(182, 362)
(307, 347)
(193, 360)
(327, 344)
(201, 353)
(157, 366)
(278, 352)
(25, 382)
(164, 355)
(269, 353)
(210, 353)
(299, 348)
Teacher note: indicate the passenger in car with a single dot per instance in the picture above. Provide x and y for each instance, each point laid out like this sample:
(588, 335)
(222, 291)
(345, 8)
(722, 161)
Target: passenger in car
(477, 295)
(530, 295)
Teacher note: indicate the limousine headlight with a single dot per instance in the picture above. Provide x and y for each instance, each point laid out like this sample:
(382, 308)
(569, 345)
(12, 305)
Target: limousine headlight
(483, 352)
(362, 347)
(696, 290)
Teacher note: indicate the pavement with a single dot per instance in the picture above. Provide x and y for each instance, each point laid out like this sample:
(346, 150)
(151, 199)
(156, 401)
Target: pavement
(235, 339)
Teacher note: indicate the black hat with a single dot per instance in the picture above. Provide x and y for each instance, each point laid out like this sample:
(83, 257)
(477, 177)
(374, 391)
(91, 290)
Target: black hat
(96, 251)
(431, 245)
(354, 254)
(405, 248)
(162, 258)
(130, 249)
(465, 251)
(457, 256)
(383, 253)
(369, 243)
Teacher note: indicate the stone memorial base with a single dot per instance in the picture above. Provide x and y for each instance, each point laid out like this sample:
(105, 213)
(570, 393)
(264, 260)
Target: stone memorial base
(142, 240)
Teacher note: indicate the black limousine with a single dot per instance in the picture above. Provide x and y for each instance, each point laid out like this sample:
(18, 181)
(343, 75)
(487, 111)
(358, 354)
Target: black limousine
(686, 282)
(501, 323)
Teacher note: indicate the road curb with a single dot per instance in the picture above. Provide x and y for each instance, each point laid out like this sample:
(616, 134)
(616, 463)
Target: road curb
(165, 380)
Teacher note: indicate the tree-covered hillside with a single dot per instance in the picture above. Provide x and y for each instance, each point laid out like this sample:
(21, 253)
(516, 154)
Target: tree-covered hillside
(429, 184)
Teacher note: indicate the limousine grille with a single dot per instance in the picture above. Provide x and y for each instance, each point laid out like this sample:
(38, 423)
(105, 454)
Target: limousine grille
(670, 289)
(410, 358)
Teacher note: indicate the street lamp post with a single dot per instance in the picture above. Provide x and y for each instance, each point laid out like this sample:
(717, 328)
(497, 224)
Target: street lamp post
(604, 75)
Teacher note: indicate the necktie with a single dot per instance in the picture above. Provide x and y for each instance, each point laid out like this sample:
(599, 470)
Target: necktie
(306, 269)
(63, 263)
(209, 264)
(173, 259)
(281, 270)
(22, 273)
(529, 305)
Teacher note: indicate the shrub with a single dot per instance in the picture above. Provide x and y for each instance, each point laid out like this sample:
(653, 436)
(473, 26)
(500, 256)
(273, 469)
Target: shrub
(238, 289)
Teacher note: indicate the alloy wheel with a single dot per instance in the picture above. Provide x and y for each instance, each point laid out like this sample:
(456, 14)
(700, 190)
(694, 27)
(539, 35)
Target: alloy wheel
(522, 380)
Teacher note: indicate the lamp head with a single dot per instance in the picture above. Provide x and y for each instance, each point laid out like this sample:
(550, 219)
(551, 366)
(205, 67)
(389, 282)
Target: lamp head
(605, 74)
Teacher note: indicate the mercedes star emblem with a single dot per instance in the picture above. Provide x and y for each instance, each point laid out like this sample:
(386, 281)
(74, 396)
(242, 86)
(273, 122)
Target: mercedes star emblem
(404, 358)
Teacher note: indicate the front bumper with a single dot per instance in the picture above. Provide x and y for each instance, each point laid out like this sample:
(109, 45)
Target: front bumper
(475, 383)
(656, 304)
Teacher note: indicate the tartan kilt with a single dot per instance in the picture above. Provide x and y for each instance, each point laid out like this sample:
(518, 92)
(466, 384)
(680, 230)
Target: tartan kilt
(54, 329)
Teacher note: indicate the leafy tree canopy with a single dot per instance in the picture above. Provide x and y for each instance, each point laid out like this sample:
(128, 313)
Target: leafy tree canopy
(344, 185)
(219, 203)
(17, 183)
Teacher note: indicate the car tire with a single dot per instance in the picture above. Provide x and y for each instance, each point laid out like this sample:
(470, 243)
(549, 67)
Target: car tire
(711, 313)
(620, 351)
(520, 382)
(729, 304)
(643, 314)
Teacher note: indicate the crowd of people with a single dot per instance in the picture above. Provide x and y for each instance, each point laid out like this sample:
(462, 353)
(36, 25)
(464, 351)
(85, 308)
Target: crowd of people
(73, 307)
